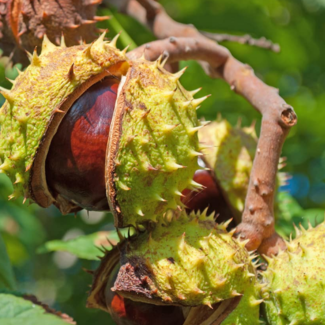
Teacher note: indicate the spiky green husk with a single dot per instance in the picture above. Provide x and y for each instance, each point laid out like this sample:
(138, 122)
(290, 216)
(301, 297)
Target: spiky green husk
(247, 311)
(190, 262)
(36, 98)
(158, 144)
(295, 280)
(231, 156)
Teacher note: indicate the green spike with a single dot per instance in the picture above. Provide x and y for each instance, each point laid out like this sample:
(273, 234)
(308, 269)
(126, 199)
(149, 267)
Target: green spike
(124, 51)
(225, 224)
(194, 153)
(11, 81)
(113, 42)
(140, 213)
(178, 74)
(303, 230)
(34, 58)
(22, 119)
(298, 232)
(182, 242)
(62, 42)
(168, 128)
(47, 46)
(256, 302)
(123, 186)
(194, 92)
(159, 198)
(204, 123)
(198, 101)
(193, 130)
(7, 95)
(178, 193)
(5, 166)
(19, 72)
(169, 94)
(173, 166)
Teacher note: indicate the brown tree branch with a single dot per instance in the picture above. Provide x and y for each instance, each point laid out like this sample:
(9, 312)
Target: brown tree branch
(145, 12)
(243, 39)
(186, 43)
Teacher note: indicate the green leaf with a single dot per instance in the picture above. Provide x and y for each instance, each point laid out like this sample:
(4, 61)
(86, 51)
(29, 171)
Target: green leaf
(288, 206)
(7, 279)
(85, 247)
(18, 311)
(26, 223)
(290, 212)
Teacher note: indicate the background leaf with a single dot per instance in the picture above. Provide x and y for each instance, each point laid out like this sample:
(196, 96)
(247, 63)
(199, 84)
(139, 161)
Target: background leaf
(84, 246)
(7, 279)
(18, 311)
(290, 212)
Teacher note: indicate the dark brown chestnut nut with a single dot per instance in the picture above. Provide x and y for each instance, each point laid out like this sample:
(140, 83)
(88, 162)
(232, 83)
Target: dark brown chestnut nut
(128, 312)
(210, 196)
(75, 165)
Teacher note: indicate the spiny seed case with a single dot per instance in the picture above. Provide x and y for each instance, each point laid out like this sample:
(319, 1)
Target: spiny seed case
(295, 280)
(189, 262)
(153, 145)
(36, 104)
(231, 156)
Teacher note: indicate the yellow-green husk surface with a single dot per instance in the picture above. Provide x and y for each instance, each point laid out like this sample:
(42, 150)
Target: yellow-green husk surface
(153, 146)
(153, 143)
(190, 261)
(38, 96)
(295, 280)
(231, 156)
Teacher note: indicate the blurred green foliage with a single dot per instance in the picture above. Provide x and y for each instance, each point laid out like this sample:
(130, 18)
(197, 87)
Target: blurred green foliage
(17, 311)
(298, 71)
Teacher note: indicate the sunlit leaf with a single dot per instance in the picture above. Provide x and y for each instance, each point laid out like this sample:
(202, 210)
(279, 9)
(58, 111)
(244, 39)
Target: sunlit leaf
(18, 311)
(85, 247)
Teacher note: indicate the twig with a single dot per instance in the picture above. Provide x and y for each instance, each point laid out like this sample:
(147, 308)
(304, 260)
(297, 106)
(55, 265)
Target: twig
(145, 11)
(186, 43)
(243, 39)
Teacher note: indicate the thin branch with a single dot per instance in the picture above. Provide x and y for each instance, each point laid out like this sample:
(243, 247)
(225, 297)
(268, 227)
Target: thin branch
(243, 39)
(185, 48)
(145, 11)
(184, 42)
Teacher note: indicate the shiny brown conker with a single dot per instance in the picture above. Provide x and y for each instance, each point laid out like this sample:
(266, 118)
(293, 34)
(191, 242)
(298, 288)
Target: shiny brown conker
(75, 165)
(211, 196)
(128, 312)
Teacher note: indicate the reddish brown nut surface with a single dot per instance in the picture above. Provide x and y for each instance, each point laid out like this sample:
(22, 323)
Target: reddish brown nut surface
(75, 165)
(210, 196)
(128, 312)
